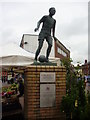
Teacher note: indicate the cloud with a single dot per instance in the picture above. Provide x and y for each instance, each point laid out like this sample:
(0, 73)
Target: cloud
(71, 26)
(8, 35)
(79, 48)
(44, 1)
(73, 33)
(78, 26)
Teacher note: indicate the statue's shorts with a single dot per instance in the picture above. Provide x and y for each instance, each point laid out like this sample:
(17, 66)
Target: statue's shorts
(43, 36)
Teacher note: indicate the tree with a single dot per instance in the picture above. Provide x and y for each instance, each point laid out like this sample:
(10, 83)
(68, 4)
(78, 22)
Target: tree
(73, 104)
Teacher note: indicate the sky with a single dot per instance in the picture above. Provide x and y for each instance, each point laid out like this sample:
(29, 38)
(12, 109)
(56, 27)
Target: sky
(20, 17)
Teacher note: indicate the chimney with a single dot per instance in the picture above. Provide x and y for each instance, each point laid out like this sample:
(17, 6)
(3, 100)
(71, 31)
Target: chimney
(85, 61)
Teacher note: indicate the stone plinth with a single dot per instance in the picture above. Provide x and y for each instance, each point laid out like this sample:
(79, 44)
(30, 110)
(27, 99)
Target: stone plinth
(43, 96)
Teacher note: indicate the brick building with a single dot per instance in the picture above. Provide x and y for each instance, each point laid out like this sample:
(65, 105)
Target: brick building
(30, 43)
(86, 68)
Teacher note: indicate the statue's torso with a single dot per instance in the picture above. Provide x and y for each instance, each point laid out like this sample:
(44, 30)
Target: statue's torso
(48, 23)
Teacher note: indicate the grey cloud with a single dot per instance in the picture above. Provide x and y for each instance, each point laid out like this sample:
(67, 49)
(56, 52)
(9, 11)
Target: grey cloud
(79, 49)
(78, 26)
(8, 35)
(20, 18)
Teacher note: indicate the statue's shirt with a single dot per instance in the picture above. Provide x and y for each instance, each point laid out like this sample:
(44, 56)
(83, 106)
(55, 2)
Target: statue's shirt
(48, 24)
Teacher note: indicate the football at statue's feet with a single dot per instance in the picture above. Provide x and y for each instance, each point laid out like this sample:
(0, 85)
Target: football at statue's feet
(42, 58)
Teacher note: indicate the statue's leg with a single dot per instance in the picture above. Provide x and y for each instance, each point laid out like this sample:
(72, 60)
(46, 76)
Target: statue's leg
(39, 49)
(48, 51)
(49, 40)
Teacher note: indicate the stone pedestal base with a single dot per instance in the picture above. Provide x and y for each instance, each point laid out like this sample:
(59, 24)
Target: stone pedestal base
(43, 97)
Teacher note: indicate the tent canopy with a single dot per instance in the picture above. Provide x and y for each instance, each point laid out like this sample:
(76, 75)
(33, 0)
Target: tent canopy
(13, 55)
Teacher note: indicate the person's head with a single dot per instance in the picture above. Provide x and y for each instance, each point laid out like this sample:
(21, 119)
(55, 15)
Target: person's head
(20, 79)
(52, 11)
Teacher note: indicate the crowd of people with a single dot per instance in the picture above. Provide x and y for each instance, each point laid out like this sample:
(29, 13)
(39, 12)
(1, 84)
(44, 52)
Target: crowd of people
(17, 79)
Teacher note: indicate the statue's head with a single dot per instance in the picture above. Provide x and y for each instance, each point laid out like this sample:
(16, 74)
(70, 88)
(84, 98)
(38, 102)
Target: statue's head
(52, 11)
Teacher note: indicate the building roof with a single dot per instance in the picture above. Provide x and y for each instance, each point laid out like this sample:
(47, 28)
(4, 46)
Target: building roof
(62, 44)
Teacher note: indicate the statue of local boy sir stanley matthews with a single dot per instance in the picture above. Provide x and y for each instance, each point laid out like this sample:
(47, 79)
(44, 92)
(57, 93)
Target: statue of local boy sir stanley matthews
(48, 26)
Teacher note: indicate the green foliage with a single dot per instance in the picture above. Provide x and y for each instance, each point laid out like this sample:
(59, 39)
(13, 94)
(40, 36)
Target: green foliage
(74, 92)
(9, 88)
(85, 114)
(71, 77)
(67, 104)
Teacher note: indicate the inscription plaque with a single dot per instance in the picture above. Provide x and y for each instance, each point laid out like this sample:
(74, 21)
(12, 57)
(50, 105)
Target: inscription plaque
(47, 77)
(47, 95)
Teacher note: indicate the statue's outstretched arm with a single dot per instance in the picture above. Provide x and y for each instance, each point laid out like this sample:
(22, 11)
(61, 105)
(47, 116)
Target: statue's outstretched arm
(39, 22)
(38, 25)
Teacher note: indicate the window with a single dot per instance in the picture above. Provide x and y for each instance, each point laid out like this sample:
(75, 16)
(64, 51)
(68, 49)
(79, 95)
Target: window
(60, 51)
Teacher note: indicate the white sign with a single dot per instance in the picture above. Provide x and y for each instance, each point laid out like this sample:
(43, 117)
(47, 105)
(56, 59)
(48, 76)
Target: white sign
(47, 95)
(47, 77)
